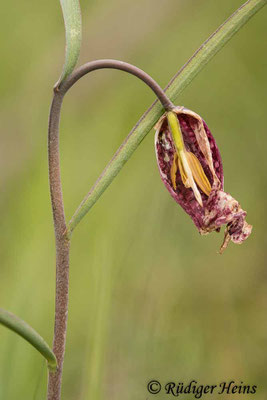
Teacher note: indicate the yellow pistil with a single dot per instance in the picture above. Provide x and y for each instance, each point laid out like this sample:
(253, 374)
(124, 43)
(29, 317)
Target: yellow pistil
(190, 168)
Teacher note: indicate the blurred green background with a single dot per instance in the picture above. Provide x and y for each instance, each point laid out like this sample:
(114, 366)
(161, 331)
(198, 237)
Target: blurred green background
(149, 297)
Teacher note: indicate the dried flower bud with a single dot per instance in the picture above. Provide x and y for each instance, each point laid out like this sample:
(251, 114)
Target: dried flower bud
(190, 166)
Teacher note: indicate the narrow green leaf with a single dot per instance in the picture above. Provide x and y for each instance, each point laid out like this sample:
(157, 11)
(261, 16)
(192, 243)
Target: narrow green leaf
(17, 325)
(73, 31)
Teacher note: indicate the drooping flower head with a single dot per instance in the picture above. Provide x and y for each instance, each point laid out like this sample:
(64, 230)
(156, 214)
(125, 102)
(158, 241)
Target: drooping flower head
(190, 166)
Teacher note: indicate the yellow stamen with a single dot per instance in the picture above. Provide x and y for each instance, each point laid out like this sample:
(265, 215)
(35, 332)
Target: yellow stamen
(197, 172)
(173, 171)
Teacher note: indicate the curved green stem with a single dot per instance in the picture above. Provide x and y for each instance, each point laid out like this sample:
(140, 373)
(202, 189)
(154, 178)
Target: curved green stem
(62, 242)
(177, 84)
(17, 325)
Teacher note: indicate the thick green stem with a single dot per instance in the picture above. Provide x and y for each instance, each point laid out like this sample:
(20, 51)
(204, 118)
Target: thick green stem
(178, 83)
(62, 249)
(63, 242)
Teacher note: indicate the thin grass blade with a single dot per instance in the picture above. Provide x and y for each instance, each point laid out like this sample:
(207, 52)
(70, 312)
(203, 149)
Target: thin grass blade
(20, 327)
(73, 32)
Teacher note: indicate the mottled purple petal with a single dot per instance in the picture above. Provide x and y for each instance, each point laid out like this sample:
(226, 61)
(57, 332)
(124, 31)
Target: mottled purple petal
(219, 208)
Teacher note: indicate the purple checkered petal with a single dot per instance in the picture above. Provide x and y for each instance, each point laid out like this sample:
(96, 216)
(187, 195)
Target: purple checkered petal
(219, 208)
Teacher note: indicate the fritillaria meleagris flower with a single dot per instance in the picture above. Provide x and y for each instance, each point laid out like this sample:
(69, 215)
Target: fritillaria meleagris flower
(190, 166)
